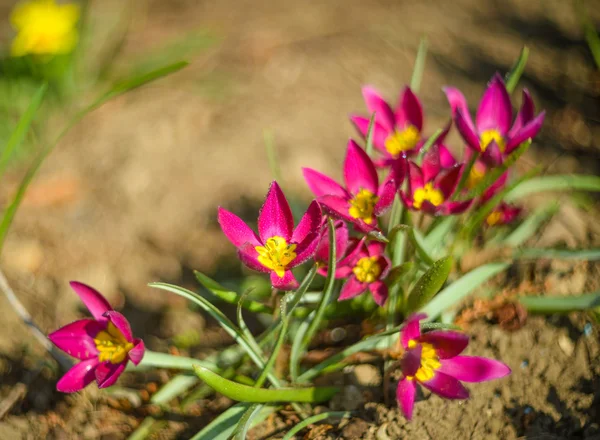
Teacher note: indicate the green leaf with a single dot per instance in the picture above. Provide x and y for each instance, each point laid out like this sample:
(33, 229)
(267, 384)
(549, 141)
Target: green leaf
(245, 393)
(460, 288)
(398, 272)
(174, 388)
(530, 225)
(246, 422)
(464, 176)
(429, 284)
(272, 155)
(438, 234)
(417, 74)
(276, 349)
(164, 360)
(369, 144)
(561, 182)
(419, 243)
(513, 77)
(558, 254)
(563, 304)
(592, 37)
(223, 426)
(430, 141)
(314, 419)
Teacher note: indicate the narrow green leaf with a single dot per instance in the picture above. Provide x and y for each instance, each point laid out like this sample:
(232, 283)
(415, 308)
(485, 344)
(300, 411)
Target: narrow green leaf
(513, 77)
(144, 430)
(427, 145)
(223, 426)
(272, 155)
(558, 254)
(164, 360)
(246, 422)
(277, 348)
(569, 182)
(460, 288)
(314, 419)
(244, 393)
(174, 388)
(418, 242)
(437, 235)
(530, 225)
(429, 284)
(464, 177)
(419, 68)
(589, 30)
(398, 272)
(563, 304)
(369, 144)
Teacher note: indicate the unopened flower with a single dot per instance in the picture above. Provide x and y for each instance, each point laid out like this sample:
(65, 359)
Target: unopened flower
(363, 199)
(278, 247)
(365, 268)
(44, 28)
(430, 186)
(492, 135)
(341, 243)
(433, 360)
(103, 344)
(396, 132)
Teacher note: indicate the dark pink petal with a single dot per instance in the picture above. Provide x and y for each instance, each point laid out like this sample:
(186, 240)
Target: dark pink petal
(450, 208)
(447, 343)
(458, 102)
(249, 256)
(337, 206)
(275, 217)
(510, 213)
(406, 200)
(380, 134)
(375, 248)
(492, 156)
(411, 360)
(78, 377)
(415, 178)
(121, 323)
(359, 171)
(447, 182)
(137, 352)
(352, 288)
(495, 110)
(383, 112)
(386, 265)
(474, 368)
(398, 170)
(431, 164)
(387, 192)
(235, 229)
(379, 290)
(107, 373)
(409, 110)
(411, 329)
(288, 282)
(446, 386)
(405, 394)
(447, 160)
(526, 113)
(322, 185)
(494, 187)
(529, 131)
(306, 249)
(467, 132)
(343, 272)
(93, 300)
(77, 338)
(356, 250)
(309, 223)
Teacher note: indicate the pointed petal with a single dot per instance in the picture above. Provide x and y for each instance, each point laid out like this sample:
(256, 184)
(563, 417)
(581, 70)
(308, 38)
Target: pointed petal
(306, 249)
(495, 110)
(287, 282)
(359, 171)
(492, 155)
(529, 131)
(411, 329)
(405, 394)
(235, 229)
(77, 338)
(526, 113)
(415, 178)
(121, 323)
(78, 377)
(352, 288)
(275, 218)
(495, 187)
(322, 185)
(310, 223)
(510, 213)
(387, 192)
(383, 112)
(458, 102)
(409, 110)
(447, 343)
(450, 208)
(447, 182)
(474, 368)
(446, 386)
(136, 354)
(468, 133)
(249, 256)
(380, 134)
(379, 290)
(447, 160)
(336, 206)
(431, 164)
(341, 243)
(411, 360)
(93, 300)
(108, 373)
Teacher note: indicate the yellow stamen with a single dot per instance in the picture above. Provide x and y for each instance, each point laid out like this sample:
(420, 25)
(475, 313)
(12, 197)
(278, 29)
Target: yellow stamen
(367, 270)
(475, 176)
(400, 141)
(494, 218)
(491, 135)
(362, 206)
(276, 254)
(427, 193)
(112, 345)
(429, 362)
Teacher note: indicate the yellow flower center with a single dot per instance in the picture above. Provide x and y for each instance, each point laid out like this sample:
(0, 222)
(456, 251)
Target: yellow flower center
(475, 176)
(112, 345)
(494, 218)
(491, 135)
(276, 254)
(362, 206)
(367, 270)
(429, 362)
(427, 193)
(404, 140)
(44, 28)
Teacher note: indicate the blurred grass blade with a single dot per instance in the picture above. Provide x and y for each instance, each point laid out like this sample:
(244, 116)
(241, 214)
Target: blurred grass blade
(276, 349)
(223, 426)
(460, 288)
(464, 175)
(370, 131)
(589, 30)
(271, 150)
(563, 304)
(513, 77)
(559, 254)
(418, 242)
(174, 388)
(398, 272)
(245, 393)
(429, 284)
(530, 225)
(438, 234)
(428, 143)
(246, 422)
(419, 68)
(314, 419)
(554, 183)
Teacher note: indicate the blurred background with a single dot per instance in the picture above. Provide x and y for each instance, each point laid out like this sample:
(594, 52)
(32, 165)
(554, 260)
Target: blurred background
(130, 195)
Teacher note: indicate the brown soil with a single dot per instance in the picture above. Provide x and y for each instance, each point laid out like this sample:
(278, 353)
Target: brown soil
(130, 197)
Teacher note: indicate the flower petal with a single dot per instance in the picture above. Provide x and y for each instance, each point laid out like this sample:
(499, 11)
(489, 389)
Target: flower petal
(380, 134)
(529, 131)
(275, 217)
(431, 164)
(458, 102)
(93, 300)
(495, 187)
(235, 229)
(322, 185)
(336, 206)
(495, 110)
(387, 192)
(467, 132)
(359, 171)
(492, 155)
(121, 323)
(352, 288)
(107, 373)
(77, 338)
(341, 243)
(415, 178)
(249, 256)
(411, 329)
(411, 360)
(306, 249)
(447, 160)
(526, 113)
(447, 343)
(447, 181)
(450, 208)
(137, 352)
(309, 223)
(446, 386)
(409, 110)
(405, 394)
(474, 368)
(287, 282)
(383, 112)
(379, 290)
(78, 377)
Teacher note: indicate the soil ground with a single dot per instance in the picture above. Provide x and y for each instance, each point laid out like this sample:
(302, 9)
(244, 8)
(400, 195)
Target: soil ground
(130, 197)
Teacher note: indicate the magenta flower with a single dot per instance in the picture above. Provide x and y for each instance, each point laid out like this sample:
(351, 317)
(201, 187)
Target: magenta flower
(278, 247)
(395, 133)
(492, 135)
(433, 360)
(341, 243)
(104, 344)
(365, 268)
(363, 199)
(504, 213)
(430, 186)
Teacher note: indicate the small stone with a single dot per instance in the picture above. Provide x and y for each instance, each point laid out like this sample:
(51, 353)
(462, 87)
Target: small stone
(350, 399)
(566, 345)
(366, 375)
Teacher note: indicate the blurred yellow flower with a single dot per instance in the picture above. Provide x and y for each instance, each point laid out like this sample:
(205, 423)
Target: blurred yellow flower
(44, 28)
